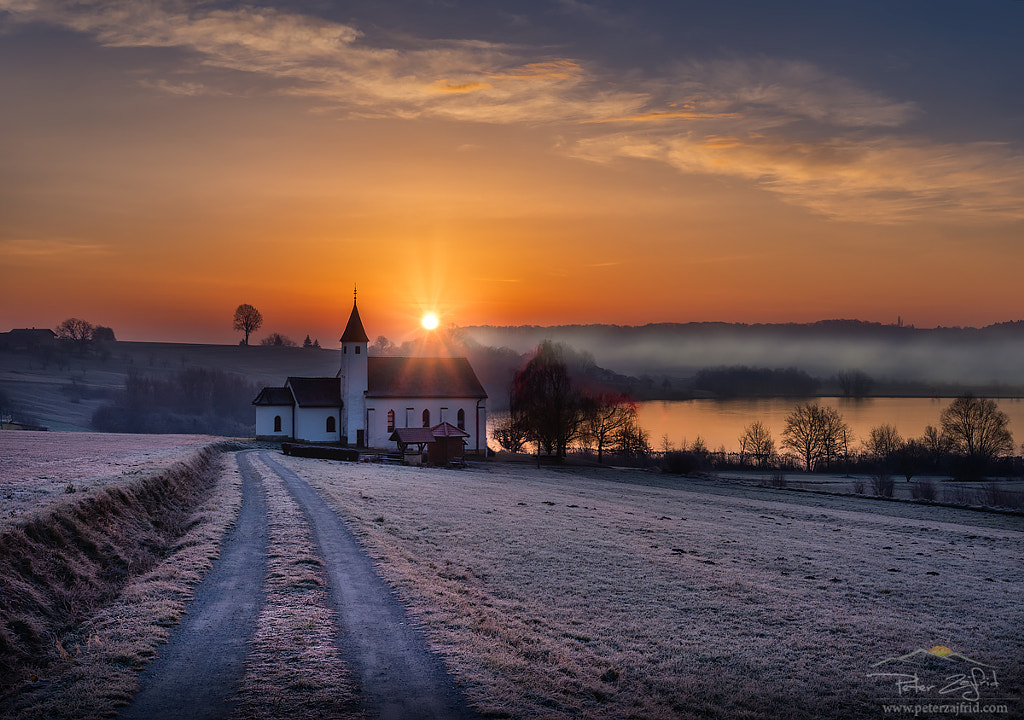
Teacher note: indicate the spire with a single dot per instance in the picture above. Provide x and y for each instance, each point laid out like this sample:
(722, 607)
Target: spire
(354, 331)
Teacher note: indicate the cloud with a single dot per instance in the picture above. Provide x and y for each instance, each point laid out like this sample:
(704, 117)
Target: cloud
(883, 180)
(816, 139)
(467, 80)
(777, 90)
(447, 86)
(187, 89)
(50, 247)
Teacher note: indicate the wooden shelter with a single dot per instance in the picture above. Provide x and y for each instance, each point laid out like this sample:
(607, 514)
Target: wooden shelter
(442, 444)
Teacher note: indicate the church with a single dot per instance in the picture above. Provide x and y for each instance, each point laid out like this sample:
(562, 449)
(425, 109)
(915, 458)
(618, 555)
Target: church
(373, 397)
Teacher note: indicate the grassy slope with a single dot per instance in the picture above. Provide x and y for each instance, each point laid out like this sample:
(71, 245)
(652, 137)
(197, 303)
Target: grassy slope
(85, 595)
(42, 390)
(620, 594)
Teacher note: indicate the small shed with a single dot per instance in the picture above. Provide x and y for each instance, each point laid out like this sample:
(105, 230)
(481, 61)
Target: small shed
(443, 443)
(449, 444)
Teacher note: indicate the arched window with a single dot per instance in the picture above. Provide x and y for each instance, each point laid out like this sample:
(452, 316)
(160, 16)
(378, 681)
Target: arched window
(461, 419)
(391, 420)
(330, 424)
(277, 423)
(426, 418)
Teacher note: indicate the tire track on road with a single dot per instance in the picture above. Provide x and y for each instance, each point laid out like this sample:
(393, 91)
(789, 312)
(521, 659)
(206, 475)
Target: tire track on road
(196, 674)
(400, 677)
(295, 668)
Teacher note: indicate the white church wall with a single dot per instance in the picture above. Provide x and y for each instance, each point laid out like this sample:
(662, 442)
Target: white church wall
(311, 424)
(265, 425)
(409, 413)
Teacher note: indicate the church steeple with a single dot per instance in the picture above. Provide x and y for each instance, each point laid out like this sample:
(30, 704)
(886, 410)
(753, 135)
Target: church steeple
(354, 377)
(354, 332)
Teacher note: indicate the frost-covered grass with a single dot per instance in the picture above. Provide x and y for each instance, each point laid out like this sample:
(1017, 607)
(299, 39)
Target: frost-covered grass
(294, 668)
(613, 594)
(42, 469)
(92, 580)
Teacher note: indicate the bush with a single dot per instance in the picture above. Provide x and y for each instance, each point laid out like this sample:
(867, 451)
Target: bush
(994, 495)
(882, 484)
(923, 490)
(681, 462)
(957, 495)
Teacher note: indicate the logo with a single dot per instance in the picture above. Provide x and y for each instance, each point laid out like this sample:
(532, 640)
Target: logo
(938, 671)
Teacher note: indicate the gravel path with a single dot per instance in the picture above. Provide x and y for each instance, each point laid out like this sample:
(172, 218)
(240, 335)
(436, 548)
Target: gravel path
(195, 676)
(400, 677)
(198, 673)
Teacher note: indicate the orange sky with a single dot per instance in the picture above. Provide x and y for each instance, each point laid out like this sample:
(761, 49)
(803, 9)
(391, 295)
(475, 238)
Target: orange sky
(157, 171)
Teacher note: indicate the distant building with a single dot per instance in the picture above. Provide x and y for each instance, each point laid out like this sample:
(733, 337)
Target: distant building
(28, 339)
(372, 397)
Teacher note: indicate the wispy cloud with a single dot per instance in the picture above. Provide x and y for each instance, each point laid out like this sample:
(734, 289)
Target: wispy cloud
(883, 180)
(50, 247)
(469, 80)
(818, 140)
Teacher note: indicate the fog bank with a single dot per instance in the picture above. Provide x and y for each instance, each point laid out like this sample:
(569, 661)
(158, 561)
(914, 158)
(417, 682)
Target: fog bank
(972, 356)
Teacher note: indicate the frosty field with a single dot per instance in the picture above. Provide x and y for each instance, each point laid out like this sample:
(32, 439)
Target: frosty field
(41, 469)
(569, 593)
(550, 592)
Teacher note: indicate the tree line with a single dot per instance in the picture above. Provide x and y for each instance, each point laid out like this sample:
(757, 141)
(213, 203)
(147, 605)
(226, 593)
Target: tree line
(247, 320)
(193, 400)
(972, 434)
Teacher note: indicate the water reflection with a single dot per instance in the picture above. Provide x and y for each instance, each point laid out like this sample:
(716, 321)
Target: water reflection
(719, 423)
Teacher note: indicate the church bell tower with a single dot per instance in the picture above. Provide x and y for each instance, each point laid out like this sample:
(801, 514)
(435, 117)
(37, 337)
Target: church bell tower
(353, 374)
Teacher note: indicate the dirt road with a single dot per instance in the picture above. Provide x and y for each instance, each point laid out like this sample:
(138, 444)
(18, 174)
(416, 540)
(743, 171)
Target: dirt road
(197, 674)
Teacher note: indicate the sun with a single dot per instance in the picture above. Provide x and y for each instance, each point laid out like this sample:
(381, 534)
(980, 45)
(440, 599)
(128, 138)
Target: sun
(429, 321)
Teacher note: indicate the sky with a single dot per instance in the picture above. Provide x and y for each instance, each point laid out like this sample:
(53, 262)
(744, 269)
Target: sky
(534, 162)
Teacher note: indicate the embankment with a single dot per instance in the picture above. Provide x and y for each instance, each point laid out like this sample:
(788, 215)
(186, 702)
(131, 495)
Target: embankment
(62, 565)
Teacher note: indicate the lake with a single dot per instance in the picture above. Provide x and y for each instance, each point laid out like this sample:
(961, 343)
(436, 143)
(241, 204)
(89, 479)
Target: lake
(721, 422)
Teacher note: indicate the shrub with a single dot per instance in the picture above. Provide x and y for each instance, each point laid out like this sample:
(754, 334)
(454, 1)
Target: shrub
(682, 462)
(957, 495)
(994, 495)
(882, 484)
(923, 490)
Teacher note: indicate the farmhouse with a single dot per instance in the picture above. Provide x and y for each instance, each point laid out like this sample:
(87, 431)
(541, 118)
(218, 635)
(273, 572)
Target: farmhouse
(28, 339)
(372, 397)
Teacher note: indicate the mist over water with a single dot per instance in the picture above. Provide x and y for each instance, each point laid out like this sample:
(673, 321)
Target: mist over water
(944, 355)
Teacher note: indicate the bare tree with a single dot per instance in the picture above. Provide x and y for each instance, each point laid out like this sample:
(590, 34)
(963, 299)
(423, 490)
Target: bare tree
(817, 433)
(632, 441)
(977, 428)
(605, 417)
(757, 442)
(510, 434)
(855, 383)
(883, 443)
(382, 346)
(75, 332)
(247, 320)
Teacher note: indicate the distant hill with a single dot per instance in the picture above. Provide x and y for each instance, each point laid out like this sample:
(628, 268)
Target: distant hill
(63, 390)
(903, 356)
